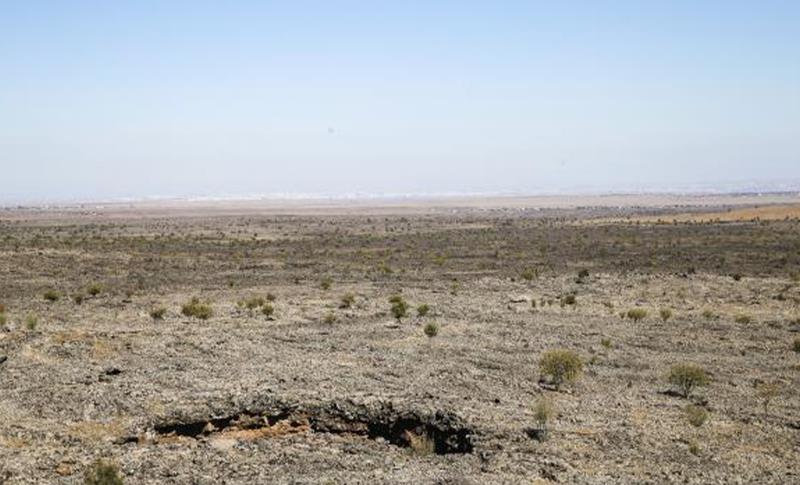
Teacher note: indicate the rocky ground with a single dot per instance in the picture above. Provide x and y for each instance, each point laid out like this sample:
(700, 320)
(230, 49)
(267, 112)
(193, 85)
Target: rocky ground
(319, 392)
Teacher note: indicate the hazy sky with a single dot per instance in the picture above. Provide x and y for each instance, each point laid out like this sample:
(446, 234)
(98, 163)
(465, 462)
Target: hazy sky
(110, 98)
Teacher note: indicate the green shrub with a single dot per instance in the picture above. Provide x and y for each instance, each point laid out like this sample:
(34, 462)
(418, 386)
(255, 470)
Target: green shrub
(329, 318)
(694, 447)
(31, 322)
(94, 289)
(347, 301)
(796, 344)
(52, 295)
(665, 314)
(637, 314)
(423, 310)
(195, 308)
(743, 318)
(696, 415)
(560, 365)
(399, 307)
(605, 342)
(569, 299)
(102, 473)
(268, 310)
(3, 319)
(326, 283)
(78, 298)
(270, 297)
(158, 313)
(687, 377)
(431, 329)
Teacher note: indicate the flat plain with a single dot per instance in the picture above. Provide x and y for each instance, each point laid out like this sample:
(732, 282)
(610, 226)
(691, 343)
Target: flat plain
(402, 342)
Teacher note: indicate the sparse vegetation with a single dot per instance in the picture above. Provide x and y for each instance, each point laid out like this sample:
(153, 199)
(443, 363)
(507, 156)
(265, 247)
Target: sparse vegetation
(605, 342)
(158, 313)
(560, 365)
(743, 318)
(687, 377)
(423, 310)
(696, 415)
(665, 314)
(399, 307)
(3, 319)
(347, 300)
(267, 310)
(102, 473)
(94, 289)
(329, 318)
(326, 283)
(543, 413)
(31, 322)
(51, 295)
(767, 392)
(78, 298)
(431, 329)
(796, 344)
(637, 314)
(528, 274)
(196, 309)
(709, 314)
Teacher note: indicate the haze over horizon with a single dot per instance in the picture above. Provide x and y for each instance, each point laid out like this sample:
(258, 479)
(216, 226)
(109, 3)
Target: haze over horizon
(102, 101)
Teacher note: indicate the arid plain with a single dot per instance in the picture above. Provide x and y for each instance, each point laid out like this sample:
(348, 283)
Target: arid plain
(404, 341)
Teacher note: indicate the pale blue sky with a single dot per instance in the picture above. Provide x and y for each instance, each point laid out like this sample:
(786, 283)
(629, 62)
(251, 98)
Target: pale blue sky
(116, 99)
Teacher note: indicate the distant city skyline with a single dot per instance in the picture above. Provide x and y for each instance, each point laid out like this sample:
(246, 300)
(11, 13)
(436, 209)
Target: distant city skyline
(102, 101)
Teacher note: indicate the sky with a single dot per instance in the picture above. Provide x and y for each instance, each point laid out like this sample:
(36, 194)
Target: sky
(102, 100)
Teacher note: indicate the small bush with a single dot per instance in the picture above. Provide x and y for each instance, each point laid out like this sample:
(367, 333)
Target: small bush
(326, 283)
(270, 297)
(51, 295)
(31, 322)
(736, 276)
(796, 344)
(94, 289)
(694, 448)
(637, 314)
(2, 308)
(560, 365)
(268, 310)
(102, 473)
(423, 310)
(569, 299)
(158, 313)
(543, 412)
(708, 314)
(329, 318)
(431, 329)
(528, 274)
(78, 299)
(3, 319)
(687, 377)
(399, 307)
(196, 309)
(605, 342)
(665, 314)
(347, 301)
(743, 318)
(254, 302)
(696, 415)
